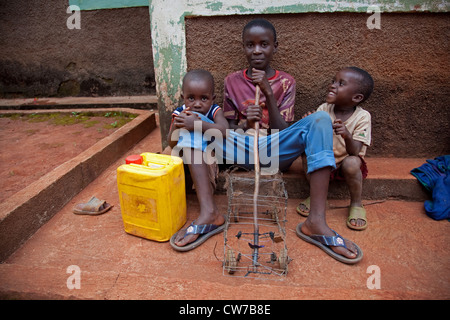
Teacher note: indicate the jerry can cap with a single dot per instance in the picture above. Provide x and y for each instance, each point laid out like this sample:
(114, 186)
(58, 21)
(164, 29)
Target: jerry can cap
(135, 158)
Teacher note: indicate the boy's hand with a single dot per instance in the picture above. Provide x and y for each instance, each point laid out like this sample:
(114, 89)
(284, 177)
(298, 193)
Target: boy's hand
(259, 78)
(340, 129)
(186, 120)
(254, 114)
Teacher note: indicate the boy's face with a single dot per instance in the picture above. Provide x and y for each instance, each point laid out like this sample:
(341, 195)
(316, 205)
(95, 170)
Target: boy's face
(344, 89)
(259, 47)
(198, 95)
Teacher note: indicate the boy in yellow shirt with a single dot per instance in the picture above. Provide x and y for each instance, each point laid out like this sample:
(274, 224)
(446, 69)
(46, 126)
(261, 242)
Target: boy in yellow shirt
(352, 135)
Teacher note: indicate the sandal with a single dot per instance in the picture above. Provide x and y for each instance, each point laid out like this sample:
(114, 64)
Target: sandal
(355, 213)
(205, 231)
(93, 207)
(307, 204)
(325, 242)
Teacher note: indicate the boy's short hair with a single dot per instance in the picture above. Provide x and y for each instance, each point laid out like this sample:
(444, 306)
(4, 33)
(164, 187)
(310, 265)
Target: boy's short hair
(199, 74)
(366, 84)
(263, 23)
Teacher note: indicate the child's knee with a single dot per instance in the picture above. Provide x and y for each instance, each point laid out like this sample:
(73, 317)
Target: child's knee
(320, 135)
(321, 124)
(351, 166)
(321, 118)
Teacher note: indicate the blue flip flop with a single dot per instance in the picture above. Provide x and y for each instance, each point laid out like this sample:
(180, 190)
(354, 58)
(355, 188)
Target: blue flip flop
(325, 242)
(205, 231)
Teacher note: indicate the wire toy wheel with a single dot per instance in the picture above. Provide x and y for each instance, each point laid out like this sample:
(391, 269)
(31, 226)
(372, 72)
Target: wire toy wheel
(283, 259)
(230, 262)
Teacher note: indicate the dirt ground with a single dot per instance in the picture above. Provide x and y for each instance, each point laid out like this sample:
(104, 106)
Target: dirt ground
(30, 148)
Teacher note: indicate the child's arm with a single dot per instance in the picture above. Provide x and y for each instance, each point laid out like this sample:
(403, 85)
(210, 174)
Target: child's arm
(220, 123)
(353, 147)
(186, 120)
(177, 122)
(172, 141)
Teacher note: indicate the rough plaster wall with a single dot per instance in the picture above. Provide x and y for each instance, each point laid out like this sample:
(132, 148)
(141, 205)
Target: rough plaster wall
(39, 56)
(408, 59)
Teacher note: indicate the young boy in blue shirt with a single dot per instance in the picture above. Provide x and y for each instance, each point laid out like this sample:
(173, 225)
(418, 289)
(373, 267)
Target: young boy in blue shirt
(198, 95)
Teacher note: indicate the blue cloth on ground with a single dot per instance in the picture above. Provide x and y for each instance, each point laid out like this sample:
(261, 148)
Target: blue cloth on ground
(434, 175)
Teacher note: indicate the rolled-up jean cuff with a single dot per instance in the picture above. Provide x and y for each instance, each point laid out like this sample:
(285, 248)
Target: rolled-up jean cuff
(321, 160)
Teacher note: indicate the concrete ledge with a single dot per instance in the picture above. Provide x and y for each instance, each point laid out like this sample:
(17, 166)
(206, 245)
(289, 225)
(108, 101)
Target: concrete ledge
(25, 212)
(137, 102)
(389, 178)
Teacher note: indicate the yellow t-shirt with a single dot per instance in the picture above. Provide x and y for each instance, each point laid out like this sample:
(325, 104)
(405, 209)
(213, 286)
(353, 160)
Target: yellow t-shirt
(359, 125)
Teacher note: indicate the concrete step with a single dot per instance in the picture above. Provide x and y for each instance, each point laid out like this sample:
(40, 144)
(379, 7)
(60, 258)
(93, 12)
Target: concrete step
(388, 178)
(136, 102)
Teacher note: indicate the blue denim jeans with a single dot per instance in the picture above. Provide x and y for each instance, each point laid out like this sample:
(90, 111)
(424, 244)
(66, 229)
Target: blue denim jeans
(312, 135)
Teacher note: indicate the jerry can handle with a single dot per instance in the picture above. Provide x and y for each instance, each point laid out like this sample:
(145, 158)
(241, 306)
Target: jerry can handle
(153, 165)
(149, 165)
(156, 162)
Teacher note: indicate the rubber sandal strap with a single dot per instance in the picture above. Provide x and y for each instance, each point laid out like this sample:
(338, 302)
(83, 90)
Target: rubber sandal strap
(357, 213)
(93, 205)
(306, 207)
(200, 228)
(335, 241)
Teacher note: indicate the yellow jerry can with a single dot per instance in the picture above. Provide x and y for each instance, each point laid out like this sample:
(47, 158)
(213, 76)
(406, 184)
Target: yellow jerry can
(152, 196)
